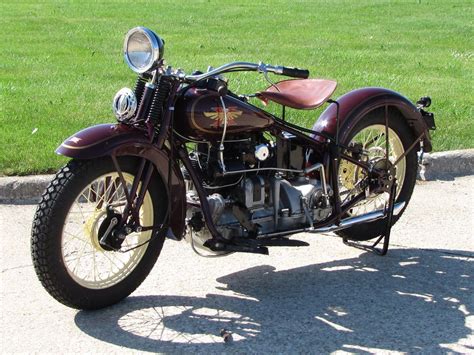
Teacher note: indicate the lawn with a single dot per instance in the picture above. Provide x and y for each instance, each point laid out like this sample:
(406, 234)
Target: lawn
(61, 61)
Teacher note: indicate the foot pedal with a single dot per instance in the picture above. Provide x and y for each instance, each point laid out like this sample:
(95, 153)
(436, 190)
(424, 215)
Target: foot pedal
(244, 249)
(219, 246)
(283, 243)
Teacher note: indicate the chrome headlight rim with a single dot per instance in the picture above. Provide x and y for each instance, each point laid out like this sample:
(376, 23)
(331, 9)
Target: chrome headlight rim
(156, 44)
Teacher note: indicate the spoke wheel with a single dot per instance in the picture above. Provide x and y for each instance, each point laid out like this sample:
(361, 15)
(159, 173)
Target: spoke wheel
(69, 221)
(88, 263)
(369, 132)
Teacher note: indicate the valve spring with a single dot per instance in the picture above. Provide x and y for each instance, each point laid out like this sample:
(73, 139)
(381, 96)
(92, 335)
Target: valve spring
(159, 99)
(139, 89)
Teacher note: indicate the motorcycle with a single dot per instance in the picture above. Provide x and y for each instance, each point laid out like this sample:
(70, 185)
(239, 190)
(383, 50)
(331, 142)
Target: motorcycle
(190, 159)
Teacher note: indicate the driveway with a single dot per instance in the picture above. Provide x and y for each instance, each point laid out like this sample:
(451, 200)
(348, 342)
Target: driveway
(324, 298)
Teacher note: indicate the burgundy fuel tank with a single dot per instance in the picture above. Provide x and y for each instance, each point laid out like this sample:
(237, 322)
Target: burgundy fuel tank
(199, 115)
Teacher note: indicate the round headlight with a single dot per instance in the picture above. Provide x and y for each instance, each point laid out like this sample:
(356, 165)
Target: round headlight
(143, 49)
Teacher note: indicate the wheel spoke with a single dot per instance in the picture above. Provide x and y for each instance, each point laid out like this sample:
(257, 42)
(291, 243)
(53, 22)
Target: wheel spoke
(81, 253)
(73, 236)
(104, 194)
(95, 266)
(379, 142)
(80, 209)
(88, 197)
(113, 262)
(117, 188)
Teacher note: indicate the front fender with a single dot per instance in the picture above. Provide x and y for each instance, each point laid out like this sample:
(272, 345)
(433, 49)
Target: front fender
(121, 140)
(357, 103)
(100, 140)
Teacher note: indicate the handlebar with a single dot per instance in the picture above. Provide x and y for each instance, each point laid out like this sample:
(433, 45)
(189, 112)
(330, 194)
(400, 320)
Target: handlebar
(246, 66)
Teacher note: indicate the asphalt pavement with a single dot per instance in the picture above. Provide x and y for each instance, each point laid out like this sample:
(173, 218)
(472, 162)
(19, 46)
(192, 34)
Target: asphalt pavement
(324, 298)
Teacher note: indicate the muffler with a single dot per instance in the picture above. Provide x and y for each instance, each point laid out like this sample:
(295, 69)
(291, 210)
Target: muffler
(368, 217)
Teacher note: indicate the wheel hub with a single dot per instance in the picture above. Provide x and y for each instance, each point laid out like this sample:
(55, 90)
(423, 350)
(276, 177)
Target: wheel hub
(107, 226)
(382, 177)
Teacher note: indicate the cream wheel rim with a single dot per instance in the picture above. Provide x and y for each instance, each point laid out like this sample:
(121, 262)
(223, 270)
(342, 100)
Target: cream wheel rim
(86, 261)
(372, 139)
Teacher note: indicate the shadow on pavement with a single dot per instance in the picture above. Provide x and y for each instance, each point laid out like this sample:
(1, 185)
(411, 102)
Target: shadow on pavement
(411, 300)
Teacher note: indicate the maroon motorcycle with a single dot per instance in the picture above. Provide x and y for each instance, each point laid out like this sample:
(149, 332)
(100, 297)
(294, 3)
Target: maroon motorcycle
(191, 159)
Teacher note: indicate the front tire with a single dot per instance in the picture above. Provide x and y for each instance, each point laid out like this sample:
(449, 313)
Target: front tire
(400, 139)
(67, 256)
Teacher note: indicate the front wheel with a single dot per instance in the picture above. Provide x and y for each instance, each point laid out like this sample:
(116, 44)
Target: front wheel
(369, 133)
(69, 260)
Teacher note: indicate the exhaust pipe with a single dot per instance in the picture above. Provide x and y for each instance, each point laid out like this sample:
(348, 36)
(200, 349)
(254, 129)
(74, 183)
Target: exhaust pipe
(345, 223)
(349, 222)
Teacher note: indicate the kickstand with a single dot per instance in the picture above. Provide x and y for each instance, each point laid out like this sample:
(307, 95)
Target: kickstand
(388, 227)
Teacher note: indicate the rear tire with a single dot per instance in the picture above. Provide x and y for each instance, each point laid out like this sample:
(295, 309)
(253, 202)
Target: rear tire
(69, 261)
(404, 138)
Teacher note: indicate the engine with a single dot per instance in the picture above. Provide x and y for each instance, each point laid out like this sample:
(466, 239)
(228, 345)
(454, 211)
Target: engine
(255, 188)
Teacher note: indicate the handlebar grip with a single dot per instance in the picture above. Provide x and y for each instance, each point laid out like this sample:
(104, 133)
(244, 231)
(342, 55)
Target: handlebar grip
(296, 72)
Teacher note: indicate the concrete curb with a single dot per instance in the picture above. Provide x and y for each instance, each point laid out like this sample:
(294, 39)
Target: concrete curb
(447, 165)
(23, 188)
(436, 166)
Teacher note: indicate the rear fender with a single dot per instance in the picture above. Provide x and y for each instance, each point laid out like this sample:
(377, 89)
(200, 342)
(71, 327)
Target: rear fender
(357, 103)
(121, 140)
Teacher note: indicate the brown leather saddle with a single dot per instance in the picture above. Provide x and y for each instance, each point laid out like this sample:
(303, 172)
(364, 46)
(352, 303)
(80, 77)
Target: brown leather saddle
(302, 94)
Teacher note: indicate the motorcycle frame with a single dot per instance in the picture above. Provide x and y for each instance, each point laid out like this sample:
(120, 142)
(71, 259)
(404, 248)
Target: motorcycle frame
(174, 148)
(333, 154)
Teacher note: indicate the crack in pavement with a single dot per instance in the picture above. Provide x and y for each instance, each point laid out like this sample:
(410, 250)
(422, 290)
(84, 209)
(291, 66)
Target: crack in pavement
(16, 267)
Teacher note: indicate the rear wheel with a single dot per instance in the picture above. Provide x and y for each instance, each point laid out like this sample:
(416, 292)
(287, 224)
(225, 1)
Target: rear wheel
(71, 217)
(369, 132)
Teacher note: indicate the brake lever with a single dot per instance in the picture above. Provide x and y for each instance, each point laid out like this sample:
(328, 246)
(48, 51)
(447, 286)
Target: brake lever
(263, 68)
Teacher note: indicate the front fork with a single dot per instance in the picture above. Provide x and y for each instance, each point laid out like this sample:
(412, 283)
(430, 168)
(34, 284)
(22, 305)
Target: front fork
(129, 220)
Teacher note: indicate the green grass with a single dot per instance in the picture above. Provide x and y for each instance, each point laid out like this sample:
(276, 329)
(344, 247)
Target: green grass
(61, 61)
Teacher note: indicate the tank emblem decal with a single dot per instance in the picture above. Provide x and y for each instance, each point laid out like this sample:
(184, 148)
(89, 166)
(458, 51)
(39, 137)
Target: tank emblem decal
(217, 114)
